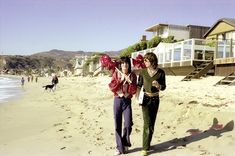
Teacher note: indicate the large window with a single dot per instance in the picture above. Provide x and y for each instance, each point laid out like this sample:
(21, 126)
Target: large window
(187, 54)
(160, 58)
(168, 56)
(220, 52)
(160, 31)
(230, 35)
(224, 49)
(177, 52)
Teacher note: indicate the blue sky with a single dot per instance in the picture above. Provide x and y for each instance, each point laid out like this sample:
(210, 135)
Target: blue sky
(31, 26)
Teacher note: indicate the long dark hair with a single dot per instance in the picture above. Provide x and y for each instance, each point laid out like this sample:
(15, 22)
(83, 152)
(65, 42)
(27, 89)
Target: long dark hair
(127, 60)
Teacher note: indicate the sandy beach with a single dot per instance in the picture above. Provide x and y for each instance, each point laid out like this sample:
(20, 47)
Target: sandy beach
(77, 119)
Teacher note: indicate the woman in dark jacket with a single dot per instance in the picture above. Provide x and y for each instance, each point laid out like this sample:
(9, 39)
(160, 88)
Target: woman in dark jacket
(153, 80)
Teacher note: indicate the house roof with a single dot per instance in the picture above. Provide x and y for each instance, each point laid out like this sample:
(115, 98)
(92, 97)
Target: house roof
(230, 21)
(198, 26)
(155, 27)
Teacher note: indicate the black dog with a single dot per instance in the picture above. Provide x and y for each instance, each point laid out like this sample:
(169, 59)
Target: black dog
(49, 87)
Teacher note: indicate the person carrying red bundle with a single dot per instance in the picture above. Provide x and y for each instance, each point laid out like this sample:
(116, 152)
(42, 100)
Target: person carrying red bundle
(124, 85)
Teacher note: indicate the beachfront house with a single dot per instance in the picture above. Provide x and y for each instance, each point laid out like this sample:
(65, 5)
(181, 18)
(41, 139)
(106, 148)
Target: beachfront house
(86, 65)
(184, 57)
(192, 57)
(222, 34)
(178, 31)
(79, 63)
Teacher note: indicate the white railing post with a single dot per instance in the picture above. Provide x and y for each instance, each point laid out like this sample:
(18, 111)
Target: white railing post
(224, 49)
(181, 52)
(192, 51)
(204, 50)
(172, 54)
(163, 60)
(233, 49)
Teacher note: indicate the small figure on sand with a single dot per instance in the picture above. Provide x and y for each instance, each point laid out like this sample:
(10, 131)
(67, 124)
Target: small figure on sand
(54, 81)
(22, 81)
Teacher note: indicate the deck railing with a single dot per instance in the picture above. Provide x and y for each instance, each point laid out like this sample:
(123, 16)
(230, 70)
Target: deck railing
(181, 53)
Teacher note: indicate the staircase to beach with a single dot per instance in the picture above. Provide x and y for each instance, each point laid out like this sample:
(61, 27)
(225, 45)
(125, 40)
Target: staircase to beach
(227, 80)
(202, 69)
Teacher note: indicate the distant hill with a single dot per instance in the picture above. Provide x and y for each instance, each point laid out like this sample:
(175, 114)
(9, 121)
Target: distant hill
(61, 54)
(53, 60)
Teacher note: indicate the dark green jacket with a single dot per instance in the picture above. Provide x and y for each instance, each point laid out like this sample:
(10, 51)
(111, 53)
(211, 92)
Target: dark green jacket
(146, 80)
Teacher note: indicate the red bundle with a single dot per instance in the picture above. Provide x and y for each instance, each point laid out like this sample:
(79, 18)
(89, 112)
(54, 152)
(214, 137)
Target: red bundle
(138, 62)
(108, 63)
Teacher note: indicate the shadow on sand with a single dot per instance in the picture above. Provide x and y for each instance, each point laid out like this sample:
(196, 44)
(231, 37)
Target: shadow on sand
(215, 130)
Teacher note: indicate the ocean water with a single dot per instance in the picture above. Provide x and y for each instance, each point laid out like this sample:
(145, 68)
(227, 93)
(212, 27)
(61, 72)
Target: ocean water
(10, 88)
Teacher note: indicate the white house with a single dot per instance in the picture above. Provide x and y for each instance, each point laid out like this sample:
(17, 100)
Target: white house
(178, 31)
(181, 57)
(80, 61)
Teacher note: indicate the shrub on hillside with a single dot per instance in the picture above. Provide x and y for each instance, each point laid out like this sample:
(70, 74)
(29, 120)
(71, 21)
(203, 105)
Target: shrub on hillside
(154, 42)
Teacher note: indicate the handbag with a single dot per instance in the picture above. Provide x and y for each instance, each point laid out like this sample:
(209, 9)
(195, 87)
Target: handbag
(140, 98)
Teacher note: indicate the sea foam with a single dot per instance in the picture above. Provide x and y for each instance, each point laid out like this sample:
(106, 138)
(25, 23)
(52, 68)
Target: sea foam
(10, 87)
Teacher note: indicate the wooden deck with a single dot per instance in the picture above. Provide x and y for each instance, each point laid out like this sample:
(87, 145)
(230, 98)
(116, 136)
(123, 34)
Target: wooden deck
(181, 68)
(224, 60)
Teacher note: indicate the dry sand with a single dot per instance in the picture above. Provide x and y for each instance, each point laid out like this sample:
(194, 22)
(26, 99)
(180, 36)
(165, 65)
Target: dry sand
(77, 120)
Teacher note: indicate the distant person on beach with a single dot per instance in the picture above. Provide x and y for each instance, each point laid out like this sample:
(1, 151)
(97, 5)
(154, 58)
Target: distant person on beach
(36, 79)
(123, 85)
(54, 81)
(28, 78)
(153, 80)
(32, 78)
(22, 81)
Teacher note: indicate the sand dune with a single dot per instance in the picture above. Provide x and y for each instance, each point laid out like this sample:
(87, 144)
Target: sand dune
(77, 120)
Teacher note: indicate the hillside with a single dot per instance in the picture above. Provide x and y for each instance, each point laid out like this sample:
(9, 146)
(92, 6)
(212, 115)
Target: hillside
(59, 54)
(50, 61)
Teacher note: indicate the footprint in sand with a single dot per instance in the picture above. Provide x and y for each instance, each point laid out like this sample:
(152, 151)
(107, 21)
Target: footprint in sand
(89, 152)
(109, 148)
(62, 148)
(168, 127)
(193, 102)
(57, 124)
(137, 130)
(67, 137)
(180, 103)
(60, 130)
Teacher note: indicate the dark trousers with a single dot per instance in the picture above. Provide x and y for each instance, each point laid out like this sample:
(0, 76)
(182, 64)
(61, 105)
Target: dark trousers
(122, 107)
(149, 109)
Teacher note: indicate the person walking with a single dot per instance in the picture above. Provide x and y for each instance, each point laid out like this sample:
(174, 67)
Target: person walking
(54, 81)
(22, 81)
(124, 85)
(153, 80)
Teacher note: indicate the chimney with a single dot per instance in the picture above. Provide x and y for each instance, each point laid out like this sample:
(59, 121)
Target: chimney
(143, 38)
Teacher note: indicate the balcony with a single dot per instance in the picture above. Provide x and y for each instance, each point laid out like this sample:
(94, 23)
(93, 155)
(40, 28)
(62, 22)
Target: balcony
(185, 53)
